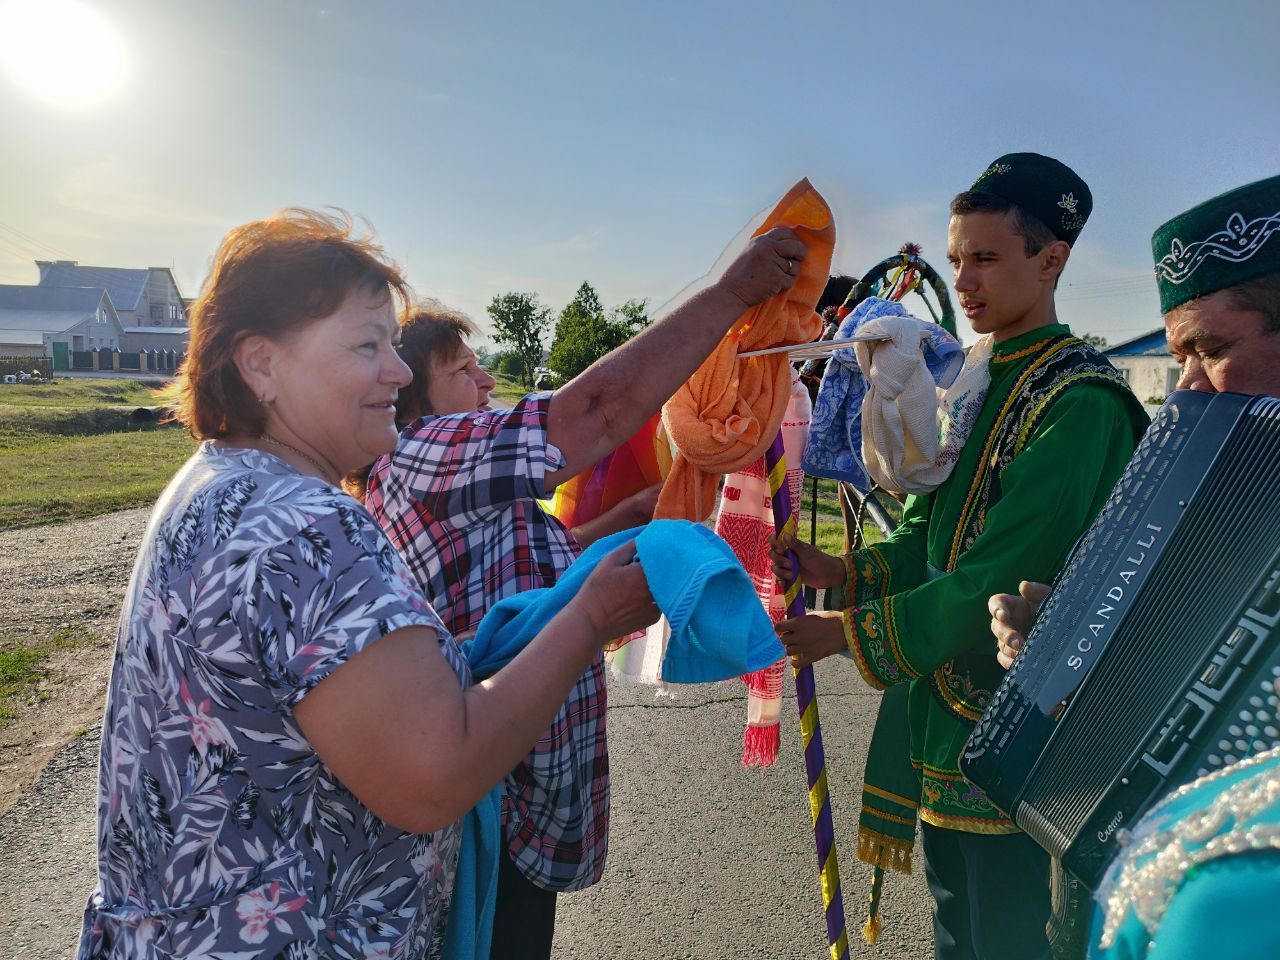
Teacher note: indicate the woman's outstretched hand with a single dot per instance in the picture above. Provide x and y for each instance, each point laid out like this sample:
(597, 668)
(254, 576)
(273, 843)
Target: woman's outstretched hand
(615, 597)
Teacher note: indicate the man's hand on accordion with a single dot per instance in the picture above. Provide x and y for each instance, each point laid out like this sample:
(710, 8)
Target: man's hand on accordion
(1012, 616)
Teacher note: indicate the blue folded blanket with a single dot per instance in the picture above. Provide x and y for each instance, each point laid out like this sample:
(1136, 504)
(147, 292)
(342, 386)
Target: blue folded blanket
(719, 631)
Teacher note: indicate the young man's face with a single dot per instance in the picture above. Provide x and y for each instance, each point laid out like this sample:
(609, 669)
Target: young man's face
(998, 285)
(1222, 348)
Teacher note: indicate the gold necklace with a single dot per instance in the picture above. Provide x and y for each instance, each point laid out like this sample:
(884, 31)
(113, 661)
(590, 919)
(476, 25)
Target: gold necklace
(324, 474)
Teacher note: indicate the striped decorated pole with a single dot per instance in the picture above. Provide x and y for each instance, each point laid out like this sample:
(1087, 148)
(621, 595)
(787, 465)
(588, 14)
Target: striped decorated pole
(815, 760)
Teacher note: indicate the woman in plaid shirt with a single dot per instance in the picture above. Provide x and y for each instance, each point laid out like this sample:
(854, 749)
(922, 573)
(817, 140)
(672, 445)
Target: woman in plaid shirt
(458, 498)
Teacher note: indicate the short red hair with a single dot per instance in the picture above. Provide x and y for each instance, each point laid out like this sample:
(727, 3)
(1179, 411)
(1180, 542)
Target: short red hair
(269, 278)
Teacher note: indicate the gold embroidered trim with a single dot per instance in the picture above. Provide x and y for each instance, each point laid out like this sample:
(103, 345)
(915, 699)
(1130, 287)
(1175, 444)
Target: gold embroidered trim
(850, 580)
(938, 680)
(891, 635)
(887, 795)
(984, 464)
(1033, 420)
(998, 827)
(932, 771)
(890, 817)
(852, 640)
(874, 556)
(1019, 354)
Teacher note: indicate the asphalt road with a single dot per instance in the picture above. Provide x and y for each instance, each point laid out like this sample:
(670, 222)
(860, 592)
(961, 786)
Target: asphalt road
(710, 859)
(707, 859)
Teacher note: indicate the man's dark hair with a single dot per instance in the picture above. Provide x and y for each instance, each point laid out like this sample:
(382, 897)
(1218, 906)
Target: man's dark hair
(1259, 295)
(835, 293)
(1035, 235)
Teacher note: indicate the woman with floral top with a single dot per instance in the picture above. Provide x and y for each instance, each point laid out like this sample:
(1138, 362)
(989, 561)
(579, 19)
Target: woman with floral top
(291, 735)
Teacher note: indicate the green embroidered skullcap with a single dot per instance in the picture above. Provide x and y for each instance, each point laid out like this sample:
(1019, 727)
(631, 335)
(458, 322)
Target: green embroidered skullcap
(1224, 241)
(1046, 188)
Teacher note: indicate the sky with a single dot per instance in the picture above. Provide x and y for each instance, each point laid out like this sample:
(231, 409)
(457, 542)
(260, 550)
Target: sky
(526, 146)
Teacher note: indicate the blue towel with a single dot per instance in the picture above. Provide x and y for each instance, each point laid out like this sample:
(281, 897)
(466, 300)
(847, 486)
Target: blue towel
(468, 932)
(719, 631)
(834, 446)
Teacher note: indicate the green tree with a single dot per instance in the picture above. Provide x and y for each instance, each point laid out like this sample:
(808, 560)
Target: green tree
(584, 333)
(1094, 340)
(507, 364)
(631, 318)
(581, 335)
(519, 321)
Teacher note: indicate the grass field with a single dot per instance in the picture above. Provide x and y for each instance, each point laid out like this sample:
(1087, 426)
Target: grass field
(79, 394)
(830, 528)
(68, 450)
(45, 478)
(507, 392)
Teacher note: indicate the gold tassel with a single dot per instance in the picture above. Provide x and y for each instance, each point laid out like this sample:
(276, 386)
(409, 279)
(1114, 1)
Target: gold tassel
(871, 930)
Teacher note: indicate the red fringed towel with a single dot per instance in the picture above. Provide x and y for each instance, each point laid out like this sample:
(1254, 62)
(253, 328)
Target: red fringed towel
(745, 522)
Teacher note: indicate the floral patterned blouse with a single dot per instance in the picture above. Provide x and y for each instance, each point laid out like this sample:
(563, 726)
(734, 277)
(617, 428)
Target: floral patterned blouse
(220, 831)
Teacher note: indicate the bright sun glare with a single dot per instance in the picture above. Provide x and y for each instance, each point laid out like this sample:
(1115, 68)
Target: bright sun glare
(61, 50)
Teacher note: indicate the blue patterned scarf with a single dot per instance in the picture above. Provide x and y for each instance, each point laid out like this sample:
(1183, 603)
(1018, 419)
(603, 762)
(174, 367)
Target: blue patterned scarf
(834, 447)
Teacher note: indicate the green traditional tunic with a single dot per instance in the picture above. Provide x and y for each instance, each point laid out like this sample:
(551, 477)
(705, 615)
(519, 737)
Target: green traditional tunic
(1054, 433)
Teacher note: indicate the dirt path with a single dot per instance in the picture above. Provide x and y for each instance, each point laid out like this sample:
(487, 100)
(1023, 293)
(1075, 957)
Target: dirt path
(68, 575)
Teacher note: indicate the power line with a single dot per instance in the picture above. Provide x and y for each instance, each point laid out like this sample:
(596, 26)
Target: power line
(1115, 278)
(1115, 284)
(93, 276)
(58, 255)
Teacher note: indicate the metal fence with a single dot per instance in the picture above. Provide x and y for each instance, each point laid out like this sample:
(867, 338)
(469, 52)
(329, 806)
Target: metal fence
(144, 361)
(12, 366)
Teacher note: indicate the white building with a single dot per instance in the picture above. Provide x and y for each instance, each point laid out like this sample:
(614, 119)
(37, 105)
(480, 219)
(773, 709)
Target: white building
(1148, 365)
(147, 300)
(32, 319)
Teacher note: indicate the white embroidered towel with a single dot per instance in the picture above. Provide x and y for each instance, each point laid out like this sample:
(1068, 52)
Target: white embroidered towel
(913, 428)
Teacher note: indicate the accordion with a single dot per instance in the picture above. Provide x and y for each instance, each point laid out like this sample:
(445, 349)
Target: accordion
(1154, 658)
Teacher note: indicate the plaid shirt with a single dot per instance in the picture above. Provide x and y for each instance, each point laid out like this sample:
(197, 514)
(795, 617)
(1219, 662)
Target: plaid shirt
(458, 499)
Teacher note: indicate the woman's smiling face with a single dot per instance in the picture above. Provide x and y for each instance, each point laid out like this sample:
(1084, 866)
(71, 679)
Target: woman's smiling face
(336, 381)
(457, 384)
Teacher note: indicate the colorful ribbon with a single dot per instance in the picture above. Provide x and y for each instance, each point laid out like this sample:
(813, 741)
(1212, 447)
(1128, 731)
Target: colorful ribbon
(815, 760)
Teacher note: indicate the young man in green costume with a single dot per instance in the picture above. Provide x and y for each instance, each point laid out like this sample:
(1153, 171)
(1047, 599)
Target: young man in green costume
(1053, 434)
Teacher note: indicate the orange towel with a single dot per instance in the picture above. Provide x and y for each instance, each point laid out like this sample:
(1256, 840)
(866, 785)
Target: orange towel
(731, 409)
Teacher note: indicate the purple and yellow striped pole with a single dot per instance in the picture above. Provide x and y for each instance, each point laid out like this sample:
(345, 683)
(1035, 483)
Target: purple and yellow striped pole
(815, 760)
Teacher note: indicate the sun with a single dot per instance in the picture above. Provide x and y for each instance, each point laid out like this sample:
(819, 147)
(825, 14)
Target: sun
(63, 51)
